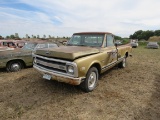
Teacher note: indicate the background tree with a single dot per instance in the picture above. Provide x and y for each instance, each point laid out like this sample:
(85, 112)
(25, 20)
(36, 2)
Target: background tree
(12, 36)
(1, 37)
(32, 36)
(44, 36)
(7, 37)
(148, 34)
(157, 32)
(140, 34)
(38, 36)
(16, 35)
(117, 37)
(136, 34)
(26, 35)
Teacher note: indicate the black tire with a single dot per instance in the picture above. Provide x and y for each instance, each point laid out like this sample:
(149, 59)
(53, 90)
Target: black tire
(91, 80)
(14, 66)
(123, 63)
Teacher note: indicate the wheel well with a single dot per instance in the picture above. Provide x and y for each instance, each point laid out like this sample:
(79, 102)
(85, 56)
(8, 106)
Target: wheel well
(19, 60)
(97, 66)
(126, 54)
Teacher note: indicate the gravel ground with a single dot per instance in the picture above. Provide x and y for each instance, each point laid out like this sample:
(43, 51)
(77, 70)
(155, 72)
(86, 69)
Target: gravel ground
(132, 93)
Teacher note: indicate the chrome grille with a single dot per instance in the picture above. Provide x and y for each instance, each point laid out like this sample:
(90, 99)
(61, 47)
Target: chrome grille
(55, 65)
(51, 64)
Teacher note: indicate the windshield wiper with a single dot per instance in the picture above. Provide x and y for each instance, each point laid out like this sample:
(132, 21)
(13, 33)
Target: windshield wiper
(81, 45)
(70, 44)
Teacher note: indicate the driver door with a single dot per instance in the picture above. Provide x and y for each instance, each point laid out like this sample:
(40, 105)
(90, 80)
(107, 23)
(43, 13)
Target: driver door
(109, 52)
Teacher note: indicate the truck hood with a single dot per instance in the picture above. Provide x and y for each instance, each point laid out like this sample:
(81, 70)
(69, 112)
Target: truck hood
(68, 52)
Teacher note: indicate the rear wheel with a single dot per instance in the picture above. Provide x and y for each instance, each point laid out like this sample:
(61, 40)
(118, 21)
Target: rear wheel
(14, 66)
(91, 80)
(123, 63)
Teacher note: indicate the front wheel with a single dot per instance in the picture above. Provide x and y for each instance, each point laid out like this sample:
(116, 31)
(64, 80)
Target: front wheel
(91, 80)
(14, 66)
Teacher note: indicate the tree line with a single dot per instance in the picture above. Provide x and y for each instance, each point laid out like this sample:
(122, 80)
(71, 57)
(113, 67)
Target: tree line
(140, 35)
(16, 36)
(144, 35)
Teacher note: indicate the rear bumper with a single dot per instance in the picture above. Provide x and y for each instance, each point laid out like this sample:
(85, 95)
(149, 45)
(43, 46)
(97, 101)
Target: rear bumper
(134, 44)
(154, 47)
(59, 77)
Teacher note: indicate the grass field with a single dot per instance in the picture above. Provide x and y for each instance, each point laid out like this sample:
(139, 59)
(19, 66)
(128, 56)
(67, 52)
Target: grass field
(122, 94)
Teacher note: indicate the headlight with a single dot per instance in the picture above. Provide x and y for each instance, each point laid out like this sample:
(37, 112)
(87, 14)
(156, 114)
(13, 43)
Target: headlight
(70, 69)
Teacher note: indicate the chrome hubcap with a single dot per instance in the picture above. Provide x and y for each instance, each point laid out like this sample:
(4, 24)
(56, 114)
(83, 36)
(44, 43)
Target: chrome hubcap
(124, 62)
(15, 66)
(92, 80)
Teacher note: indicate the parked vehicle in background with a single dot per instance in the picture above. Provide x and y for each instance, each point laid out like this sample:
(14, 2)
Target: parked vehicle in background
(134, 43)
(19, 43)
(33, 46)
(153, 45)
(12, 43)
(2, 48)
(15, 60)
(82, 60)
(118, 42)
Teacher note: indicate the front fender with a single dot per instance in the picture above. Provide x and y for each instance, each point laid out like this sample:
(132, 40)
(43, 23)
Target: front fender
(83, 64)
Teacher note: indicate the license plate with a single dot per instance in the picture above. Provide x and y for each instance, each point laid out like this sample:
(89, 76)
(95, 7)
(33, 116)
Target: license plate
(46, 76)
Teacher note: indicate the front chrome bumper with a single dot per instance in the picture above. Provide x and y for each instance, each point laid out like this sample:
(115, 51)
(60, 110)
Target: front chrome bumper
(59, 77)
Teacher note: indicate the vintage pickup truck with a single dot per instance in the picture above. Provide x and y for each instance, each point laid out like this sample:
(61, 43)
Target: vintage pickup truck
(82, 60)
(15, 60)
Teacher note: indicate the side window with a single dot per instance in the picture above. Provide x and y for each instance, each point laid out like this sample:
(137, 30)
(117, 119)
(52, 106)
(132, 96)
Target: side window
(5, 43)
(42, 46)
(109, 40)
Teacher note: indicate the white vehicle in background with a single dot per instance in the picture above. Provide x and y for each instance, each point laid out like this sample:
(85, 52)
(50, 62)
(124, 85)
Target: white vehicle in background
(134, 43)
(153, 45)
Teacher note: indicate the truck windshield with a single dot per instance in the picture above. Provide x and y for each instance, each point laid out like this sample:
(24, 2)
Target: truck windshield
(86, 40)
(29, 46)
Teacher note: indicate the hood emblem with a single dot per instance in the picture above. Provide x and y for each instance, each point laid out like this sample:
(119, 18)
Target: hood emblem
(48, 53)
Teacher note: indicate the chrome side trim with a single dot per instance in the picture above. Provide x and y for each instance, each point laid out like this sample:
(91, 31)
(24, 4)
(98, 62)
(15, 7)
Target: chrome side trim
(112, 63)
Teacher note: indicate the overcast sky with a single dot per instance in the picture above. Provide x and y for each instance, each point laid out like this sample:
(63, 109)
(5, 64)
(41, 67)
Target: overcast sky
(64, 17)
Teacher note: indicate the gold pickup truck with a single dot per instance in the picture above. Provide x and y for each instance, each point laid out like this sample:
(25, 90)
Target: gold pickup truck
(82, 60)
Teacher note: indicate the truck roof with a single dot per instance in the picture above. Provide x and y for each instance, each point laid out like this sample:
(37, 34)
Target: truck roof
(92, 33)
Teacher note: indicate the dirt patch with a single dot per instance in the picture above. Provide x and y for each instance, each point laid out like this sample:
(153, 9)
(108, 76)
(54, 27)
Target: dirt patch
(130, 93)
